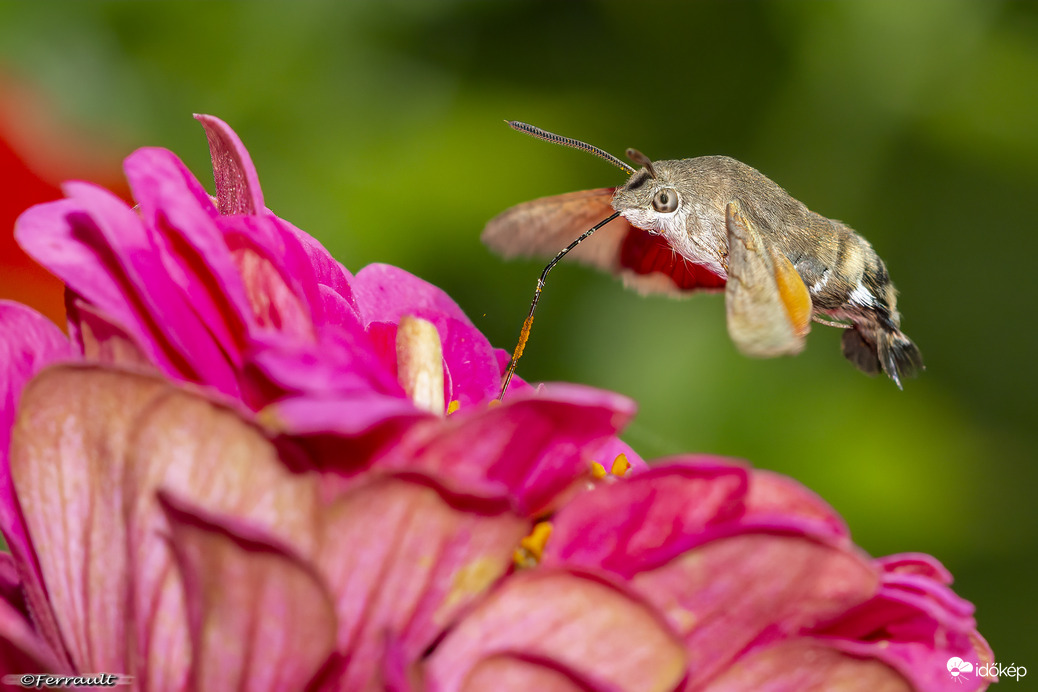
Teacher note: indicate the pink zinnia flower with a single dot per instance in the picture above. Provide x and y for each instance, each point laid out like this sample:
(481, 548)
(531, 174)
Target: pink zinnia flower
(250, 469)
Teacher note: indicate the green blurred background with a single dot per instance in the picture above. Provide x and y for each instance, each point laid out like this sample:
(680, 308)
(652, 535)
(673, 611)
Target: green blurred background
(377, 127)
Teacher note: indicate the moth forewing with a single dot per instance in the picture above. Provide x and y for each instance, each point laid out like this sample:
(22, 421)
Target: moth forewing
(767, 304)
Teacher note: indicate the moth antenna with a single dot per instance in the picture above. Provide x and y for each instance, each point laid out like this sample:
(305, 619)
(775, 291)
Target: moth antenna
(524, 335)
(642, 160)
(567, 142)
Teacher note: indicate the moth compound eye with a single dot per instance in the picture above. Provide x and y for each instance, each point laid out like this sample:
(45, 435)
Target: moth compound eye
(665, 201)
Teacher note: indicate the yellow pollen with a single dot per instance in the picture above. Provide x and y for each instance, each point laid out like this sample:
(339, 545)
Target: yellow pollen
(597, 470)
(620, 465)
(471, 580)
(453, 406)
(493, 402)
(531, 547)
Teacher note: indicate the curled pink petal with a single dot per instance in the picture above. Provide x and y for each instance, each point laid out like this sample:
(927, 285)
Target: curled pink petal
(237, 185)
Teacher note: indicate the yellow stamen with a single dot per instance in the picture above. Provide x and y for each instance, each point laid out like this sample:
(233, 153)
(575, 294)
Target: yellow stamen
(620, 465)
(493, 402)
(453, 406)
(531, 547)
(597, 470)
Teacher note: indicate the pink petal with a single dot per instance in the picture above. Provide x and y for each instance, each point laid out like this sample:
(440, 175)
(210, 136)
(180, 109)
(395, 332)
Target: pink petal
(340, 362)
(915, 624)
(607, 453)
(915, 563)
(29, 342)
(278, 278)
(386, 293)
(777, 501)
(100, 339)
(347, 416)
(193, 249)
(102, 251)
(405, 556)
(536, 444)
(171, 316)
(22, 649)
(58, 236)
(731, 592)
(803, 665)
(326, 270)
(581, 624)
(260, 618)
(237, 185)
(642, 522)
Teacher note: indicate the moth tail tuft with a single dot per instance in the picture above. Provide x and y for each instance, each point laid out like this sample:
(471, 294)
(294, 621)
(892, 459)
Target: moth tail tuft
(883, 349)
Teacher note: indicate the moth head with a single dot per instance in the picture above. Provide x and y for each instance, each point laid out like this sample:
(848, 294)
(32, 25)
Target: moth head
(650, 199)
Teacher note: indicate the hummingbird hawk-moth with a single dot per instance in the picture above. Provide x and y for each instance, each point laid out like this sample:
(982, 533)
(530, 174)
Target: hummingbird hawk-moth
(710, 224)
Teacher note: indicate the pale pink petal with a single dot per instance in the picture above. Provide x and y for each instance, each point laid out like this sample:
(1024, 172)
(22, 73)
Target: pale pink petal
(237, 185)
(89, 452)
(753, 587)
(67, 444)
(591, 627)
(405, 557)
(260, 618)
(804, 665)
(915, 624)
(518, 673)
(203, 452)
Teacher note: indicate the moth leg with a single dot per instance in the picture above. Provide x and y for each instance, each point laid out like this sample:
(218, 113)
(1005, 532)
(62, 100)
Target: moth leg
(767, 303)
